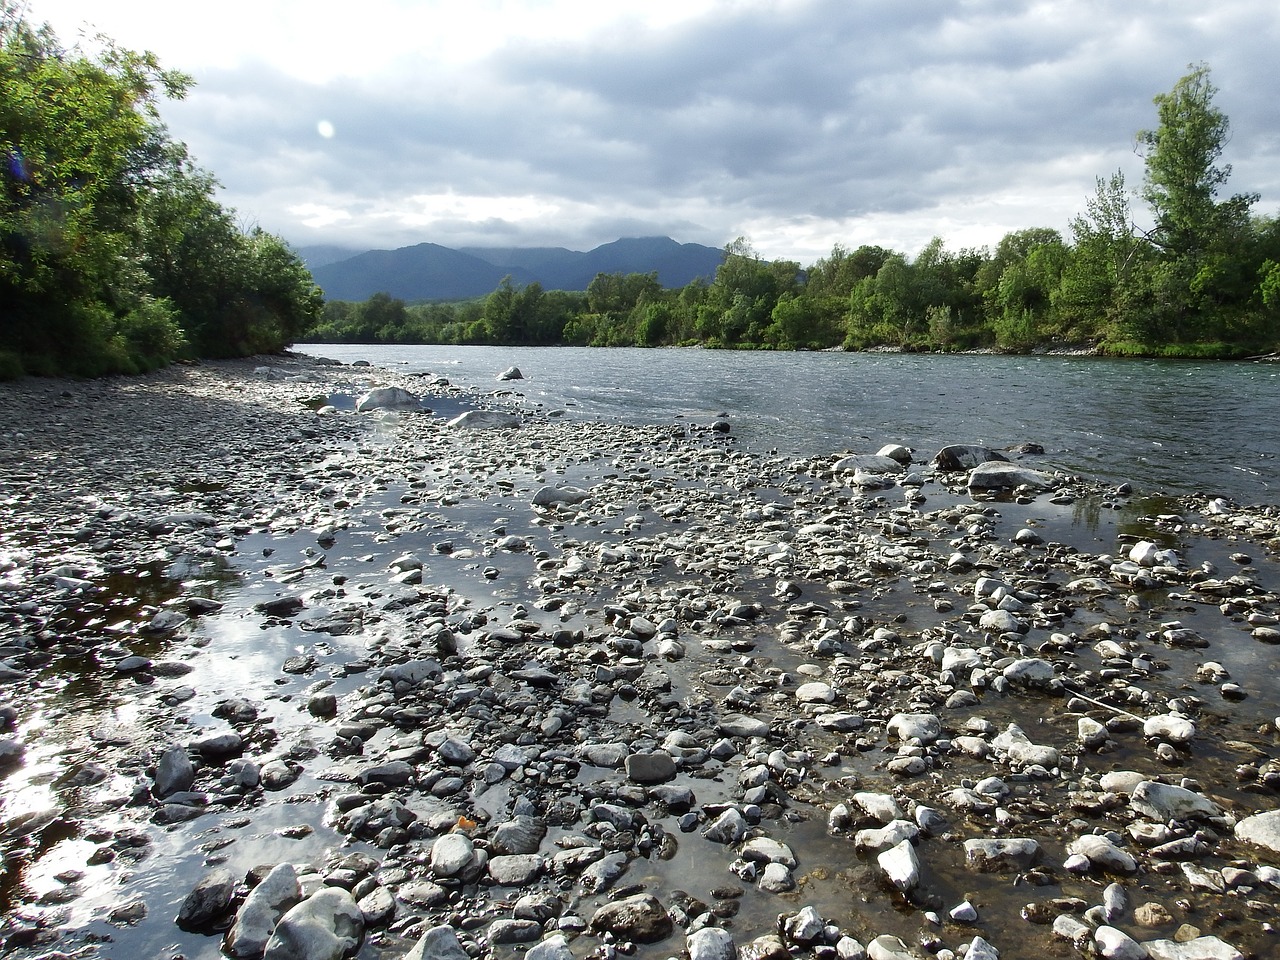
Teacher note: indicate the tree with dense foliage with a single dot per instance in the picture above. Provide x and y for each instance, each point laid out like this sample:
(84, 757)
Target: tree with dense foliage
(114, 255)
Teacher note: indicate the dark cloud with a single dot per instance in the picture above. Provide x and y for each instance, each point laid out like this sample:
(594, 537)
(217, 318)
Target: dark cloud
(801, 125)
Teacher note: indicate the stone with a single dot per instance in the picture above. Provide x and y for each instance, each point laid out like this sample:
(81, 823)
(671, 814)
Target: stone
(711, 943)
(1164, 802)
(484, 420)
(1200, 948)
(1113, 944)
(1103, 854)
(901, 866)
(1261, 829)
(175, 773)
(276, 894)
(1169, 727)
(1005, 476)
(451, 854)
(740, 725)
(554, 947)
(924, 727)
(888, 947)
(641, 918)
(549, 496)
(879, 805)
(208, 901)
(650, 768)
(438, 943)
(980, 949)
(325, 926)
(990, 854)
(730, 827)
(776, 878)
(957, 457)
(388, 398)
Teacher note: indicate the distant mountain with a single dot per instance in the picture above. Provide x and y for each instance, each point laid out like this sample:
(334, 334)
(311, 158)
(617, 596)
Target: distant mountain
(426, 271)
(429, 271)
(320, 255)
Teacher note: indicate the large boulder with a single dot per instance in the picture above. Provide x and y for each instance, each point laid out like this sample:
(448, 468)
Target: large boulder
(1005, 476)
(1262, 829)
(641, 918)
(270, 900)
(959, 456)
(325, 926)
(388, 398)
(484, 420)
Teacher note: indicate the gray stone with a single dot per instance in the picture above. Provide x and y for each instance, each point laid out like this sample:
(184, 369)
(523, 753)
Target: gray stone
(1113, 944)
(901, 866)
(325, 926)
(711, 943)
(277, 893)
(641, 918)
(650, 768)
(924, 727)
(1262, 829)
(740, 725)
(555, 947)
(451, 854)
(208, 901)
(175, 773)
(388, 398)
(988, 854)
(438, 943)
(1201, 948)
(1164, 802)
(729, 827)
(1104, 854)
(1003, 476)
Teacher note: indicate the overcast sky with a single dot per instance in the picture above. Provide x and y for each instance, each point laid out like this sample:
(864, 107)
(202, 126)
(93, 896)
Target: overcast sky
(795, 123)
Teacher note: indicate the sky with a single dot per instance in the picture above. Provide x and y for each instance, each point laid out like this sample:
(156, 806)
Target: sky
(795, 124)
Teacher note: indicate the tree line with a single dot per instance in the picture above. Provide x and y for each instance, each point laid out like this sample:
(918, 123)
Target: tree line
(1201, 279)
(115, 255)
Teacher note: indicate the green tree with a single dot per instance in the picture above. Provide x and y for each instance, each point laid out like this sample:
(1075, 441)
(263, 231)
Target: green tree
(1198, 280)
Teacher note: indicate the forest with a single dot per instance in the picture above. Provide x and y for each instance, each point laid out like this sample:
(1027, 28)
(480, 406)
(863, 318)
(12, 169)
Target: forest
(1200, 279)
(115, 256)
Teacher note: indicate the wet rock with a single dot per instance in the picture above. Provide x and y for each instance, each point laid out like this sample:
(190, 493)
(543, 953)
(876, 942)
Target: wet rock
(901, 866)
(554, 947)
(1012, 853)
(520, 834)
(451, 854)
(1200, 948)
(711, 943)
(650, 768)
(888, 947)
(388, 398)
(1262, 829)
(957, 457)
(1113, 944)
(1164, 802)
(325, 926)
(208, 902)
(484, 420)
(641, 918)
(514, 931)
(740, 725)
(174, 773)
(1103, 854)
(924, 727)
(277, 893)
(438, 943)
(1006, 476)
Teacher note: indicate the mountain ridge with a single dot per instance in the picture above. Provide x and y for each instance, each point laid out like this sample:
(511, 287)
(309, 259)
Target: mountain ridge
(429, 271)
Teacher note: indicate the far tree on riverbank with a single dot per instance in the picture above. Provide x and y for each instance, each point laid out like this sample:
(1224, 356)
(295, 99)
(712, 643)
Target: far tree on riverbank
(114, 254)
(1204, 281)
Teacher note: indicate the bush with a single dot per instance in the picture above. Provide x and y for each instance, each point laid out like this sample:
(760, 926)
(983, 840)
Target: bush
(11, 366)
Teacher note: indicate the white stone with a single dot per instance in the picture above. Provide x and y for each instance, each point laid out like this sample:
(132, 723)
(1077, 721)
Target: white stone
(1262, 829)
(901, 866)
(1115, 944)
(271, 899)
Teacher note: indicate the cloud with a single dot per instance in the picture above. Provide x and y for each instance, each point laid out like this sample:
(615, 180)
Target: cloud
(799, 124)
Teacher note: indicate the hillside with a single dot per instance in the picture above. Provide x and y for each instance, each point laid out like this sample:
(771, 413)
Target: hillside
(428, 271)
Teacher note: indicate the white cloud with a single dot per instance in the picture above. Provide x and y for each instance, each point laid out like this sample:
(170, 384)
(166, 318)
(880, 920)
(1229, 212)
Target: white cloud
(799, 124)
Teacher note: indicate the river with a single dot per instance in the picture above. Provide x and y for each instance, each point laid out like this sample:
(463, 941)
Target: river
(1173, 427)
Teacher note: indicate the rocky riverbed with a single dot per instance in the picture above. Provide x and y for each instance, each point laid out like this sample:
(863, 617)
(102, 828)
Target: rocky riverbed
(284, 677)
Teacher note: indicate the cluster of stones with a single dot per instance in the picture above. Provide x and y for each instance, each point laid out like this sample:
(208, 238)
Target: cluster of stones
(699, 648)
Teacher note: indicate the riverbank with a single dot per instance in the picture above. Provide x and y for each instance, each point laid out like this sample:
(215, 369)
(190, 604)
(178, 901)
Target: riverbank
(507, 679)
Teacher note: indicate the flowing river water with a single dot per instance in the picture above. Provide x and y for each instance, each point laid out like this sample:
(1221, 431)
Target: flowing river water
(1166, 426)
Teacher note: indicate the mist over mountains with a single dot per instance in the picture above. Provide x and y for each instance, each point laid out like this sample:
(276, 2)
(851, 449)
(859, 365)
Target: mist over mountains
(428, 271)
